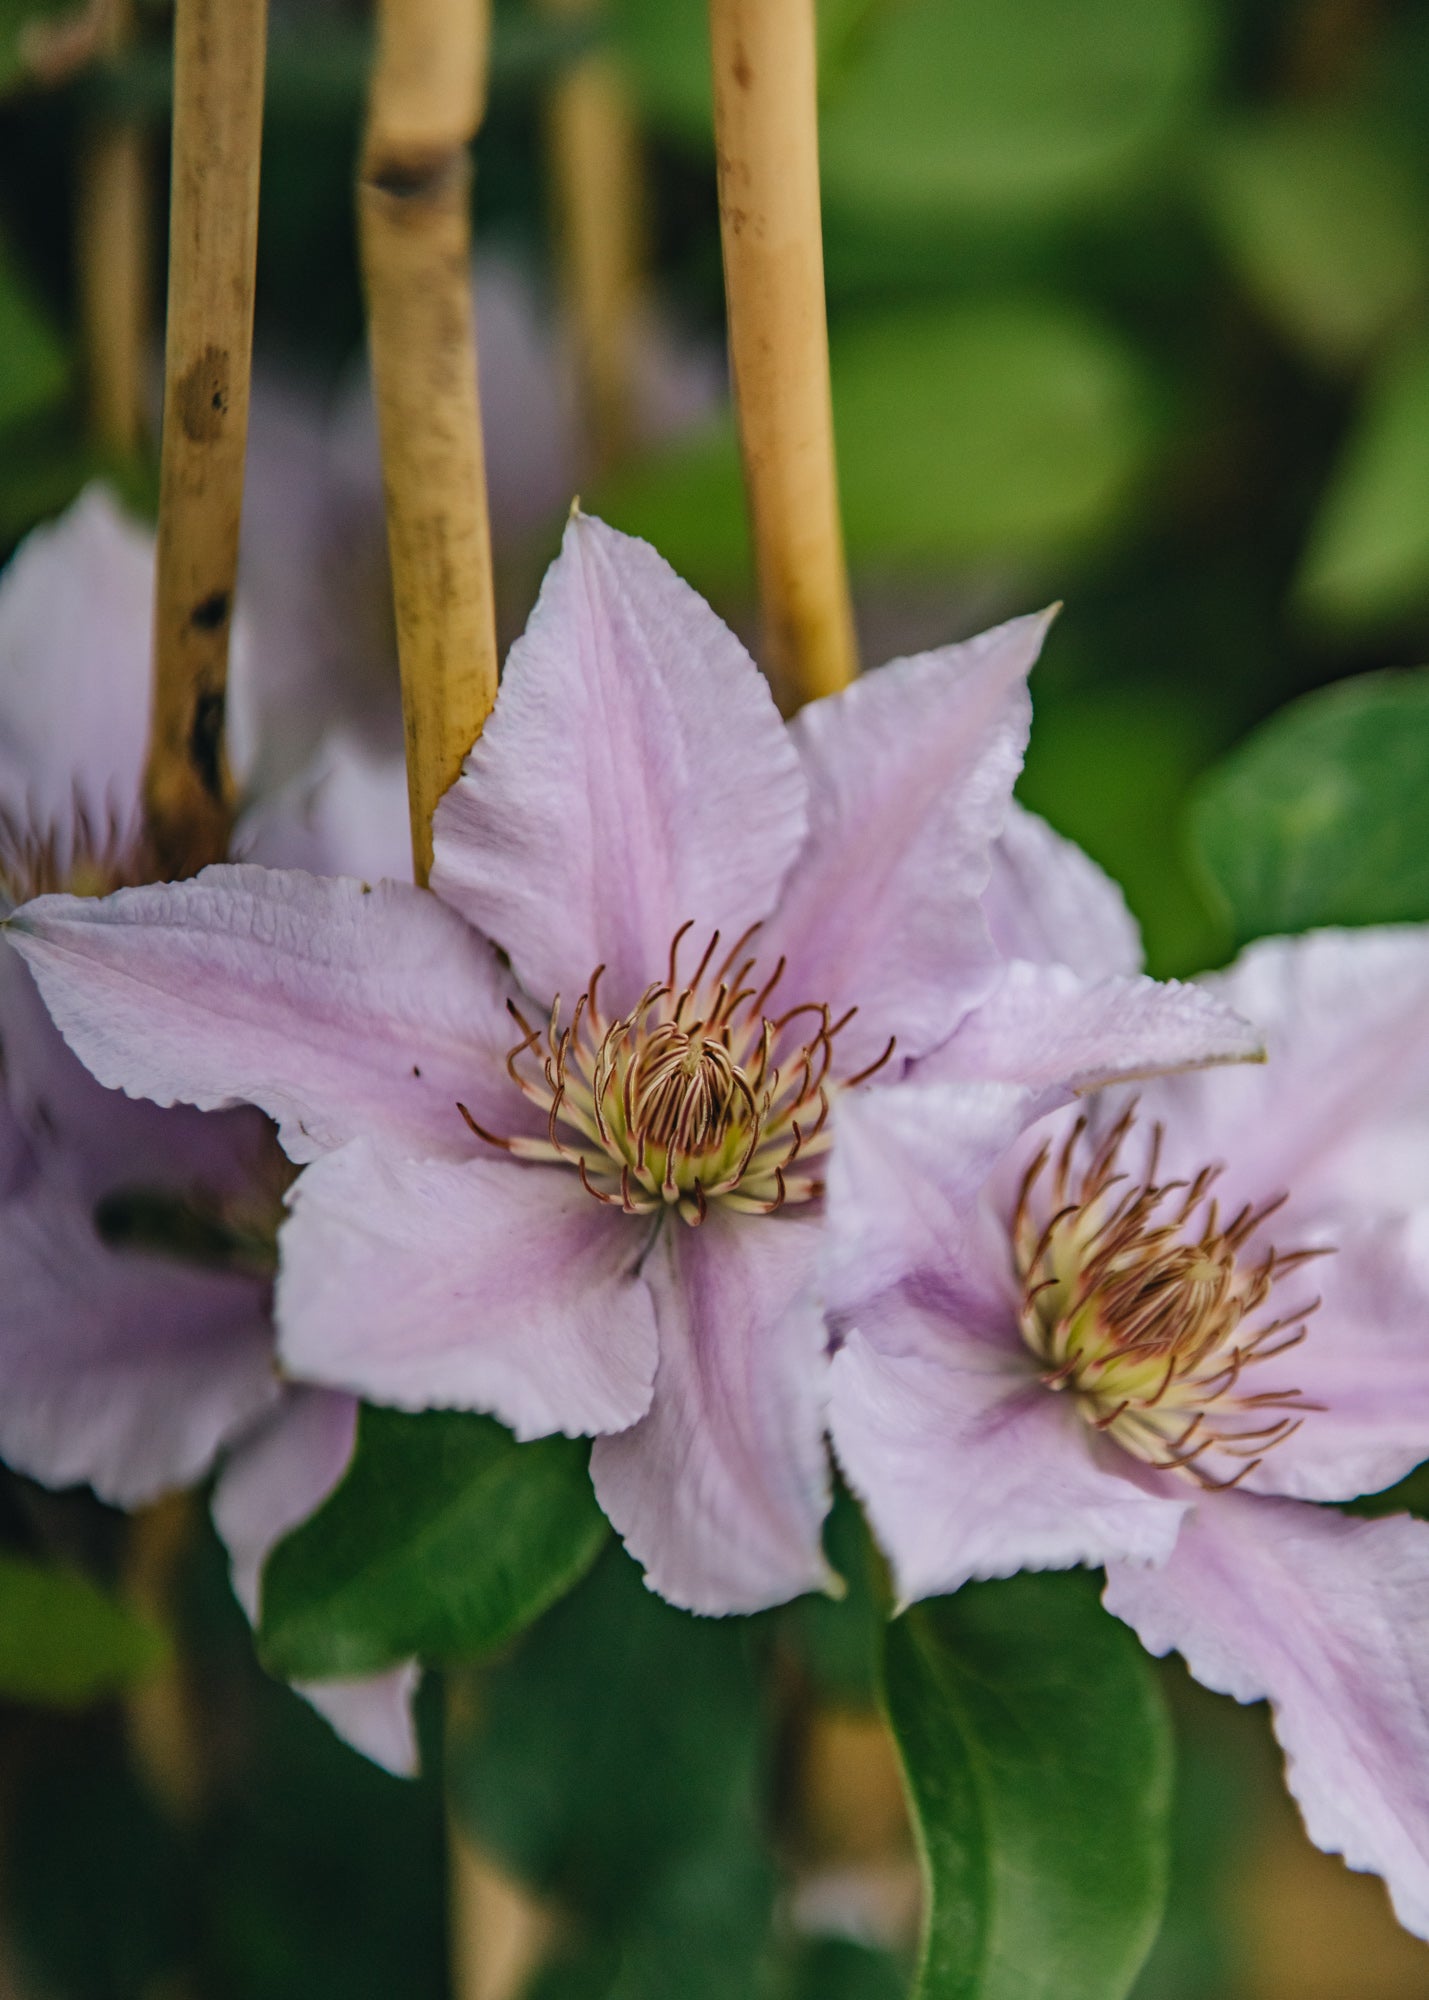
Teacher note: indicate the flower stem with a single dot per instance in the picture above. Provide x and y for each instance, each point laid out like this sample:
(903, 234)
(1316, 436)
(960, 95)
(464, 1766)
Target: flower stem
(595, 169)
(767, 152)
(428, 91)
(213, 237)
(112, 244)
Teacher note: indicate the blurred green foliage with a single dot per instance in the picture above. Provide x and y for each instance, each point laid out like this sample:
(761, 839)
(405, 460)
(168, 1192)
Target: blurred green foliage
(1322, 816)
(64, 1642)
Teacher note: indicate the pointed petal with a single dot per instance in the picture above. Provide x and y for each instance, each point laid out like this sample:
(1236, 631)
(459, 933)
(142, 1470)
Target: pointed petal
(634, 775)
(336, 1008)
(1049, 902)
(274, 1480)
(1046, 1028)
(910, 773)
(124, 1371)
(76, 605)
(969, 1467)
(1364, 1363)
(1329, 1618)
(720, 1491)
(905, 1186)
(1340, 1112)
(478, 1285)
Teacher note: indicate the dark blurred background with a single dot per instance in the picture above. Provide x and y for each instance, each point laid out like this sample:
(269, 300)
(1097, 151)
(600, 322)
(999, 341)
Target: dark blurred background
(1129, 307)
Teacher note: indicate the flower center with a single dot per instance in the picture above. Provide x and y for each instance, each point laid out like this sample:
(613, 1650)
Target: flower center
(78, 859)
(696, 1095)
(1136, 1299)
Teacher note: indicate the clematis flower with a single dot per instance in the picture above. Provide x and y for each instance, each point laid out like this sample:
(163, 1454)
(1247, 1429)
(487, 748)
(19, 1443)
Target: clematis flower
(580, 1184)
(136, 1244)
(1145, 1334)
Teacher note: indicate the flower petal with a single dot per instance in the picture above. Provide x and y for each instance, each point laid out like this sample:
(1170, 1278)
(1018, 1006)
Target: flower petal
(969, 1467)
(634, 776)
(1340, 1112)
(127, 1371)
(1050, 1030)
(1364, 1364)
(905, 1184)
(76, 608)
(1049, 902)
(338, 1009)
(274, 1480)
(720, 1491)
(478, 1285)
(910, 773)
(1329, 1618)
(345, 815)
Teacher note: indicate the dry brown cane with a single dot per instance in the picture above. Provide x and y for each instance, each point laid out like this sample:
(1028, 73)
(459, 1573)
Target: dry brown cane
(219, 48)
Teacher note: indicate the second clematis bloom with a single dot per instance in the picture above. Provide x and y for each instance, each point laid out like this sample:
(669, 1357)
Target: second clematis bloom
(578, 1180)
(1145, 1335)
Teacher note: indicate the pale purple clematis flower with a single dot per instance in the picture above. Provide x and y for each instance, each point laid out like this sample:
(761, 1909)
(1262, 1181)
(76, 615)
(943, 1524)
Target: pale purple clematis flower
(136, 1244)
(1146, 1335)
(586, 1193)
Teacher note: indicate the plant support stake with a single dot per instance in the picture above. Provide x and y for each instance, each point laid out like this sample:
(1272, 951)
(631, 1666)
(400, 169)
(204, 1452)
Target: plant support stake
(428, 92)
(112, 242)
(767, 154)
(213, 239)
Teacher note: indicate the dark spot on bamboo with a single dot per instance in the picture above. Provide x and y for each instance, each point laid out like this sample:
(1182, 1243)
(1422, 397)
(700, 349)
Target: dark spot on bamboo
(206, 741)
(202, 396)
(208, 615)
(743, 71)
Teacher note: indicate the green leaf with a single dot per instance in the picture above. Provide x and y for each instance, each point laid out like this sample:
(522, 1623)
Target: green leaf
(1368, 556)
(444, 1539)
(1322, 815)
(1014, 429)
(33, 32)
(1325, 221)
(1038, 1760)
(621, 1736)
(63, 1643)
(981, 108)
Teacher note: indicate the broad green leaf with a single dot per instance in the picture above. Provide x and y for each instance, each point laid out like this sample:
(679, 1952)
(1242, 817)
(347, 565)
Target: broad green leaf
(1368, 556)
(1012, 430)
(63, 1643)
(1326, 223)
(1322, 815)
(982, 107)
(1038, 1760)
(444, 1539)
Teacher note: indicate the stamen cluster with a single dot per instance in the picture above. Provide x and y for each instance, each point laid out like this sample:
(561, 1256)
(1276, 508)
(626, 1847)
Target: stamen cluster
(697, 1095)
(84, 858)
(1136, 1298)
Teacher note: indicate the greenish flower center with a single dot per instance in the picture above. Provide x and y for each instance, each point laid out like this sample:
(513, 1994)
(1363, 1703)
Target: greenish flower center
(697, 1095)
(1139, 1302)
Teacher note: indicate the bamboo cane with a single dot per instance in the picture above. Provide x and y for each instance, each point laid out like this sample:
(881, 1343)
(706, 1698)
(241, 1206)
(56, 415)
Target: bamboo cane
(767, 155)
(213, 237)
(427, 98)
(594, 153)
(112, 246)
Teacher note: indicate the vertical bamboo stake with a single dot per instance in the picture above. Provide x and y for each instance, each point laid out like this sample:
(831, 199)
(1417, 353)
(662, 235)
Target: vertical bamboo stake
(112, 245)
(213, 239)
(428, 93)
(767, 154)
(595, 170)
